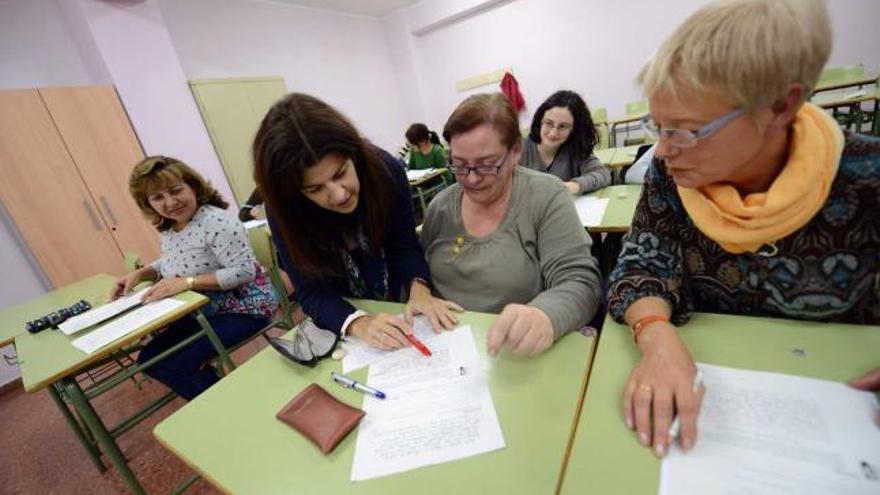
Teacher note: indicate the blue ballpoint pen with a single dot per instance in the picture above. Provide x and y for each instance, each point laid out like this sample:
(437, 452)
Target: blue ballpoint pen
(349, 383)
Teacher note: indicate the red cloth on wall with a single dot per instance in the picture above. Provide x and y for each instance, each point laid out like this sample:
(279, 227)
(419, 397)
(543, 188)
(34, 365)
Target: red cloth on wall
(510, 88)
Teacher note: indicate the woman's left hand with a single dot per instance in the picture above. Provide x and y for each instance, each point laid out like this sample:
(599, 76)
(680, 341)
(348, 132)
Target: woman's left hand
(166, 287)
(439, 311)
(573, 187)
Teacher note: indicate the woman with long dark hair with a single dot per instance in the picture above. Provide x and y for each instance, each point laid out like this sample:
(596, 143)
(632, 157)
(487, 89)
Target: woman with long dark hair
(561, 142)
(341, 213)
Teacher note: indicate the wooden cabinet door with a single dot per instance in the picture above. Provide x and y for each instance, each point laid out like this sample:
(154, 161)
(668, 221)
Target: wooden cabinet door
(99, 137)
(45, 196)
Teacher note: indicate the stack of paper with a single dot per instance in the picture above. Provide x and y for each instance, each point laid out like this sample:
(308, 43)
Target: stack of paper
(101, 313)
(438, 409)
(124, 325)
(771, 434)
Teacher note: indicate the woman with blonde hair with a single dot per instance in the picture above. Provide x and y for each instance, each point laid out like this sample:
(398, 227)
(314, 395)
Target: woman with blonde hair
(759, 205)
(204, 248)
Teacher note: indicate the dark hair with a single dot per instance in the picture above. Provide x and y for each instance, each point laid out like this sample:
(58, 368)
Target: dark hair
(419, 133)
(162, 172)
(583, 137)
(297, 132)
(484, 108)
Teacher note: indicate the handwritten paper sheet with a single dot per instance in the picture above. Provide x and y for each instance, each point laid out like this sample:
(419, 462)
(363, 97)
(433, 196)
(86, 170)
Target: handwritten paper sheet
(101, 313)
(124, 325)
(359, 354)
(591, 210)
(771, 434)
(438, 410)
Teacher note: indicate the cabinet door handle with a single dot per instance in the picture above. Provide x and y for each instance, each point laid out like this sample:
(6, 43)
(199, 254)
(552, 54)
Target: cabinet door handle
(106, 205)
(95, 221)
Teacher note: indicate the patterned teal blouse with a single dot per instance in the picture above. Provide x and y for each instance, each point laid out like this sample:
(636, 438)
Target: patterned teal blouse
(826, 271)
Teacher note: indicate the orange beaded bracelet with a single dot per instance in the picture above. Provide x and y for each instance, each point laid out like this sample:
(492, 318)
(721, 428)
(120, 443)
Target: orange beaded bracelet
(643, 322)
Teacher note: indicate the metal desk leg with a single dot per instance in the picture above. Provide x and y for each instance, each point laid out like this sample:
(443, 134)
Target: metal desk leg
(225, 360)
(421, 193)
(105, 440)
(83, 436)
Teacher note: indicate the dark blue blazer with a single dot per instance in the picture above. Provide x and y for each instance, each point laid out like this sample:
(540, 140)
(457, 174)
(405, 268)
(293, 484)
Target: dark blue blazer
(404, 259)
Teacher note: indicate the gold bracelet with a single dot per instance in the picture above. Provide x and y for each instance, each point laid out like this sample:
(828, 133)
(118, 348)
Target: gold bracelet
(190, 282)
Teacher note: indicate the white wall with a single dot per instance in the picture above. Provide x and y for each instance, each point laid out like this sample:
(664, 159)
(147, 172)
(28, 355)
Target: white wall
(130, 41)
(36, 49)
(595, 47)
(340, 58)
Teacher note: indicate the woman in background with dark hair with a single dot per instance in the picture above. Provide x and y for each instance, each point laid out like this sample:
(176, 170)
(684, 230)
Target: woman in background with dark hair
(342, 215)
(425, 148)
(561, 143)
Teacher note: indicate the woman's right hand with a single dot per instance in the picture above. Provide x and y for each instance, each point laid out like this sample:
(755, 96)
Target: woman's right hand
(124, 284)
(383, 330)
(661, 386)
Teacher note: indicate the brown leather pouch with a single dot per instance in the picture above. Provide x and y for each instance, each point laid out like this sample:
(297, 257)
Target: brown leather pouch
(320, 417)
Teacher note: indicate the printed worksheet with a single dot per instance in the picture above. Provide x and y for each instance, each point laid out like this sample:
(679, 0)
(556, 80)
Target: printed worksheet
(358, 354)
(437, 410)
(766, 433)
(591, 210)
(124, 325)
(101, 313)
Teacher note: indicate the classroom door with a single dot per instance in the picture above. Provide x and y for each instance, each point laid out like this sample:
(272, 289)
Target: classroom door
(45, 196)
(98, 135)
(233, 110)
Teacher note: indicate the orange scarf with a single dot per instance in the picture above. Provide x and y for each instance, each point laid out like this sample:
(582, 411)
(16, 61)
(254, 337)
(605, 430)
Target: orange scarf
(796, 195)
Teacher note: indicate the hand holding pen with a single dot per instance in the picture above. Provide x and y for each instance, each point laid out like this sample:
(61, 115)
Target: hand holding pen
(676, 423)
(660, 386)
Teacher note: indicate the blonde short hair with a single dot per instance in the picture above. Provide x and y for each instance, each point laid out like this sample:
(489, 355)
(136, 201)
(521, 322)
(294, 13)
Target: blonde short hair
(158, 172)
(748, 50)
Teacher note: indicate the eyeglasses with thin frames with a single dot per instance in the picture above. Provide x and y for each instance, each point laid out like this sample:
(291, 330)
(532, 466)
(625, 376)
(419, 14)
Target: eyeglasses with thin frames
(561, 127)
(462, 169)
(685, 138)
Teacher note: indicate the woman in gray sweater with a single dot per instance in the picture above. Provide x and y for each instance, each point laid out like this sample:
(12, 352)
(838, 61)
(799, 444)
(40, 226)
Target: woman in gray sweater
(505, 239)
(561, 142)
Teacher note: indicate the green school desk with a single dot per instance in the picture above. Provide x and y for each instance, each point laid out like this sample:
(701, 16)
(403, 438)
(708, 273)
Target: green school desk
(622, 202)
(834, 101)
(12, 319)
(48, 360)
(425, 188)
(230, 435)
(606, 457)
(616, 159)
(853, 82)
(626, 121)
(608, 235)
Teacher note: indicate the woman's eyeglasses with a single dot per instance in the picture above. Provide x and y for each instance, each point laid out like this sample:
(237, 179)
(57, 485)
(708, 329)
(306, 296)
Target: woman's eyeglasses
(685, 138)
(549, 124)
(463, 169)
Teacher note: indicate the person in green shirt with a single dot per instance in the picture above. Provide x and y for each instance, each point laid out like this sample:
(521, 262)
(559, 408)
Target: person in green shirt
(425, 148)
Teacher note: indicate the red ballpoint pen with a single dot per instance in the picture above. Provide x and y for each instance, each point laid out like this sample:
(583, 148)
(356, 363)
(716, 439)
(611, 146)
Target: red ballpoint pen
(418, 344)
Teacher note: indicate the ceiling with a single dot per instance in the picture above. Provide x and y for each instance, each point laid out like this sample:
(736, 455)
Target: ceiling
(375, 8)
